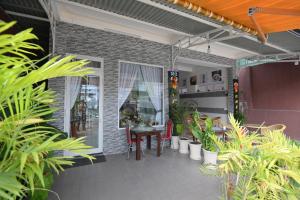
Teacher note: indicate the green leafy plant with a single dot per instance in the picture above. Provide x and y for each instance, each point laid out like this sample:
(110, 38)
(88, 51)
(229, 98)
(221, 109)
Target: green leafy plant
(26, 142)
(203, 134)
(177, 115)
(240, 117)
(259, 167)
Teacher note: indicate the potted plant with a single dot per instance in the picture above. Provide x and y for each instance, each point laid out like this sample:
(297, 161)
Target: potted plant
(196, 129)
(259, 166)
(176, 114)
(208, 144)
(203, 134)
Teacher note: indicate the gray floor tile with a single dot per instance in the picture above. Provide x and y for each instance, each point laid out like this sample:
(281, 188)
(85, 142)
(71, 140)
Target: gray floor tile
(172, 176)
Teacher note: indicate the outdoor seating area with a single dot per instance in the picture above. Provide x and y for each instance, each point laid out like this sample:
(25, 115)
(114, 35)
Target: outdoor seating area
(149, 99)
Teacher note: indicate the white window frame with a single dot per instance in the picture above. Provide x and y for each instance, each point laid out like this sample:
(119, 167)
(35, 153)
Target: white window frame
(163, 92)
(99, 72)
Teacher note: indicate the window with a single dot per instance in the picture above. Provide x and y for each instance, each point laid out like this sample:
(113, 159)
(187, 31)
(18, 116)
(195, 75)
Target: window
(140, 94)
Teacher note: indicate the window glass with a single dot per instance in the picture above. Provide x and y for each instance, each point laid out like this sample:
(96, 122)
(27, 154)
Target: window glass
(144, 103)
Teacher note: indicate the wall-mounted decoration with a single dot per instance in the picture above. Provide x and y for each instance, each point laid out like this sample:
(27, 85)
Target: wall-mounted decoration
(216, 75)
(235, 97)
(173, 77)
(193, 80)
(184, 83)
(203, 78)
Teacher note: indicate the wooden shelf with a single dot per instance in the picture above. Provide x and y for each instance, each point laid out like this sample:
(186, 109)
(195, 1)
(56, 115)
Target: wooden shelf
(204, 94)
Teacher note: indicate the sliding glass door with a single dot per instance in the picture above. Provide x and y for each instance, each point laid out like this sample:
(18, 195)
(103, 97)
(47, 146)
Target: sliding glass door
(84, 107)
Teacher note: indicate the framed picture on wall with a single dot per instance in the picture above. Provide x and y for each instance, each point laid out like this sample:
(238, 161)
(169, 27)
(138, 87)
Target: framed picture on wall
(184, 83)
(216, 75)
(202, 78)
(193, 80)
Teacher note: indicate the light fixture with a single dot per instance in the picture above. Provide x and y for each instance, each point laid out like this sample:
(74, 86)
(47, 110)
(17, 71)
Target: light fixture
(296, 62)
(208, 49)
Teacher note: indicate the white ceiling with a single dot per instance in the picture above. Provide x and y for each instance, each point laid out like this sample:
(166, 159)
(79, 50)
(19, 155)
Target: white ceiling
(80, 14)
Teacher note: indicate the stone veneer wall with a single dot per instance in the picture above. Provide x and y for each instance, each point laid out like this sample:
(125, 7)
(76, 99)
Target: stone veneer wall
(113, 47)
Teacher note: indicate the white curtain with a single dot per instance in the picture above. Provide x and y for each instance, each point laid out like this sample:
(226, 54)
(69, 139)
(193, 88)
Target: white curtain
(75, 82)
(128, 74)
(153, 81)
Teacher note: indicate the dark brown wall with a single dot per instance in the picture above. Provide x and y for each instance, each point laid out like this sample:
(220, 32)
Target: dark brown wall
(272, 93)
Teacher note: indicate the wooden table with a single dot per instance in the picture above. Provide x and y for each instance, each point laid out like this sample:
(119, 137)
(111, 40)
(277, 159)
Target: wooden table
(148, 133)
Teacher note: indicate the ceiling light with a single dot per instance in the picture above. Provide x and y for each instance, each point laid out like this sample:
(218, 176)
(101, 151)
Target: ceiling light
(208, 49)
(296, 62)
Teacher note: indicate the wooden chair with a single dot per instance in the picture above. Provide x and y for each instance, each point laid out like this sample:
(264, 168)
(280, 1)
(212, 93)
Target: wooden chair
(217, 122)
(131, 141)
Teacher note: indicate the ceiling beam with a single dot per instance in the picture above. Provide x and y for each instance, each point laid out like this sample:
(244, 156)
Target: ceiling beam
(178, 12)
(26, 16)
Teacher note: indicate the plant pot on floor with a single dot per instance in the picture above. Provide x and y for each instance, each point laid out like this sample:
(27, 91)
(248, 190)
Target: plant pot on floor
(184, 145)
(210, 157)
(174, 142)
(195, 150)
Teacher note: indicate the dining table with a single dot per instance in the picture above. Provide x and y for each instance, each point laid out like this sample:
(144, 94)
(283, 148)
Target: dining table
(147, 132)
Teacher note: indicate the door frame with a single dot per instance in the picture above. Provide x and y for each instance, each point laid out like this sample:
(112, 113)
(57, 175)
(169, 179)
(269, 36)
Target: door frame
(100, 73)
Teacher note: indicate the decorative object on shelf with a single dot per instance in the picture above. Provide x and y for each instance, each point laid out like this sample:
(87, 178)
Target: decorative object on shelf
(193, 80)
(216, 75)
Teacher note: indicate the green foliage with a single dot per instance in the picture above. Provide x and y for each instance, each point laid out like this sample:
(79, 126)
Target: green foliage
(26, 142)
(203, 134)
(240, 117)
(265, 166)
(177, 113)
(40, 193)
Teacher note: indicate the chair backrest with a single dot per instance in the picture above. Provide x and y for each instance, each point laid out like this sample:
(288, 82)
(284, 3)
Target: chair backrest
(275, 127)
(169, 128)
(217, 122)
(128, 134)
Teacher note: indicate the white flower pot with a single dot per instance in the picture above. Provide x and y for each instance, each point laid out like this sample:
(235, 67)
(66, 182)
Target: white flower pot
(210, 157)
(195, 151)
(174, 142)
(184, 145)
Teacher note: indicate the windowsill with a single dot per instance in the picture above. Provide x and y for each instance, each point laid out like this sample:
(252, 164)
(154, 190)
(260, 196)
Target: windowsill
(158, 126)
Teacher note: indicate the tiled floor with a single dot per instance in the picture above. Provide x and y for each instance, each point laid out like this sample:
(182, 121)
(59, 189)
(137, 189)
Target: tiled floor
(172, 176)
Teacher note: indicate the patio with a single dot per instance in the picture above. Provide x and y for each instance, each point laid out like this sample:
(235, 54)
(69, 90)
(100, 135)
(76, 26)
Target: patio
(218, 81)
(171, 176)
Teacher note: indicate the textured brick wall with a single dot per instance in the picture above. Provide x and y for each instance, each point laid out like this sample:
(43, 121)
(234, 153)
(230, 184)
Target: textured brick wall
(113, 47)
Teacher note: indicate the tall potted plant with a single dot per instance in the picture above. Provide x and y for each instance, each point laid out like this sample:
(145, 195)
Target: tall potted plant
(208, 144)
(203, 134)
(259, 166)
(196, 129)
(177, 117)
(26, 143)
